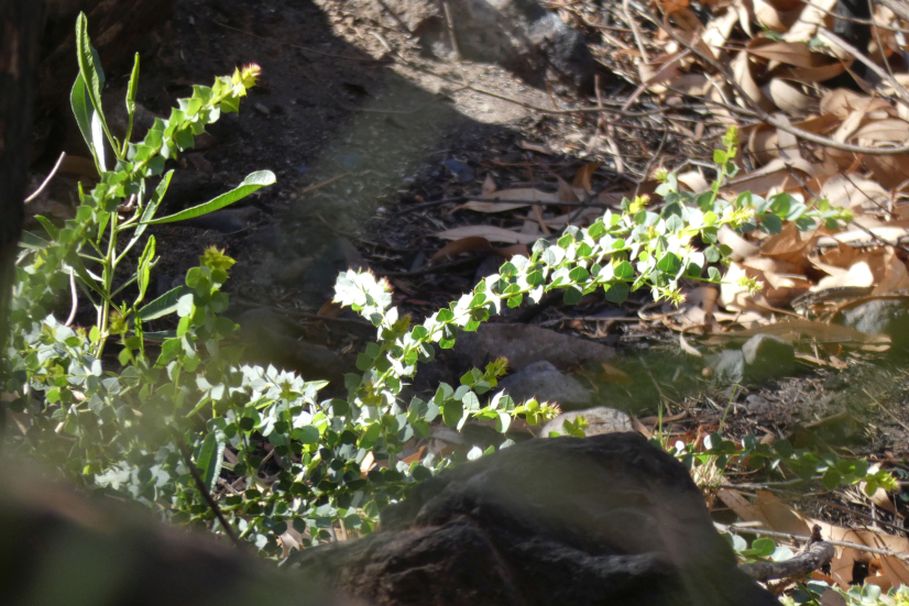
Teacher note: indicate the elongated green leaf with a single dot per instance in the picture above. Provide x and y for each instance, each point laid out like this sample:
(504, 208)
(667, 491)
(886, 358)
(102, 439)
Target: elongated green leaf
(143, 268)
(89, 66)
(164, 305)
(159, 335)
(151, 208)
(131, 102)
(211, 455)
(252, 183)
(48, 226)
(84, 113)
(91, 72)
(32, 241)
(87, 278)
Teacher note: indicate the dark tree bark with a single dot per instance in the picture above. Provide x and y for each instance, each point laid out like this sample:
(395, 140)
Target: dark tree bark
(20, 27)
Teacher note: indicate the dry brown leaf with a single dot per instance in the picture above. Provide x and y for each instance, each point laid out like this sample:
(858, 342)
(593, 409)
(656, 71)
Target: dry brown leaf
(849, 126)
(788, 143)
(789, 97)
(576, 217)
(655, 73)
(834, 260)
(840, 102)
(796, 329)
(536, 213)
(530, 227)
(695, 85)
(734, 295)
(782, 281)
(778, 515)
(490, 232)
(522, 194)
(614, 374)
(698, 308)
(688, 348)
(889, 271)
(826, 68)
(535, 147)
(489, 186)
(822, 124)
(761, 141)
(694, 180)
(892, 235)
(415, 456)
(329, 309)
(889, 170)
(457, 247)
(789, 53)
(740, 247)
(583, 176)
(791, 245)
(742, 71)
(367, 464)
(614, 199)
(718, 29)
(567, 193)
(857, 276)
(671, 6)
(887, 572)
(741, 506)
(855, 192)
(777, 15)
(812, 17)
(777, 175)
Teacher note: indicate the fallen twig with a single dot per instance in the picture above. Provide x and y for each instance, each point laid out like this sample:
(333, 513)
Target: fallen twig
(817, 554)
(801, 537)
(200, 485)
(47, 179)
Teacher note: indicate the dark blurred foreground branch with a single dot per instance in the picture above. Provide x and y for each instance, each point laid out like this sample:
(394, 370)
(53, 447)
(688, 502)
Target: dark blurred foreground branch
(20, 26)
(57, 547)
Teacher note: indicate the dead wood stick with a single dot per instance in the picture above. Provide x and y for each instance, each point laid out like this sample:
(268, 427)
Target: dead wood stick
(449, 25)
(814, 557)
(203, 490)
(800, 537)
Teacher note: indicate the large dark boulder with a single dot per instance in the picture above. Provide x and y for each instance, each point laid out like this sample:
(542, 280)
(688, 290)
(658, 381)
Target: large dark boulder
(603, 520)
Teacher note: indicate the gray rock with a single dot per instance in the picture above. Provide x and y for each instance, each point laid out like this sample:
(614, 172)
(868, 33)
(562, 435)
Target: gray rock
(524, 344)
(767, 356)
(272, 339)
(600, 420)
(545, 382)
(882, 317)
(605, 520)
(762, 357)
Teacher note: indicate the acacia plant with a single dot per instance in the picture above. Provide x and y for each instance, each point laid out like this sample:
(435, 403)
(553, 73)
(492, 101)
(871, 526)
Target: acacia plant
(151, 401)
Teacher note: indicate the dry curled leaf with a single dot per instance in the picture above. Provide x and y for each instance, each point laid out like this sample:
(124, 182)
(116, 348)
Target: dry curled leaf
(522, 196)
(489, 232)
